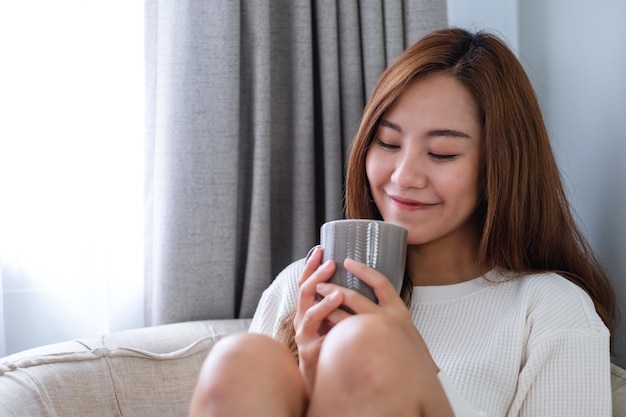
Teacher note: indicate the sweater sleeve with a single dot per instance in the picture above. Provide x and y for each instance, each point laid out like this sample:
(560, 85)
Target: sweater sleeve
(567, 375)
(566, 371)
(277, 301)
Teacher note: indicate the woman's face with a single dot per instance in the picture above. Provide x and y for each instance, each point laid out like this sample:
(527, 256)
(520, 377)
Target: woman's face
(423, 166)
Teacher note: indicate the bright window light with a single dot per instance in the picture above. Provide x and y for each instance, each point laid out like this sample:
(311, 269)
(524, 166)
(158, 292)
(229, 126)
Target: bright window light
(71, 167)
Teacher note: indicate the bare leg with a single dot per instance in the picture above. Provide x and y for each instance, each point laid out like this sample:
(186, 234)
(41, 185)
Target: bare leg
(249, 375)
(368, 366)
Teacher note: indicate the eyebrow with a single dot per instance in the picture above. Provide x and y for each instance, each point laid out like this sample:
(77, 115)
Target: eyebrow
(433, 133)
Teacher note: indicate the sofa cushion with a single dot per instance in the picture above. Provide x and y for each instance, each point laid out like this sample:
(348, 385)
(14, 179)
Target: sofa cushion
(57, 384)
(143, 372)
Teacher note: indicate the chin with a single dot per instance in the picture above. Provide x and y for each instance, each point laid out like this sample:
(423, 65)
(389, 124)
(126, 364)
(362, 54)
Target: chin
(416, 241)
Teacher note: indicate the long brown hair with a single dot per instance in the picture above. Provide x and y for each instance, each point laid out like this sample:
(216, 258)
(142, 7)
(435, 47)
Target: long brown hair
(527, 224)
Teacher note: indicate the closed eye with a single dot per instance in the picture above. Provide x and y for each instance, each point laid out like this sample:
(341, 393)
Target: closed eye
(442, 157)
(386, 145)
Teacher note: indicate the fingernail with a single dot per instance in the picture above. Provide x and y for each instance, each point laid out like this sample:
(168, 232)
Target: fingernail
(310, 254)
(328, 264)
(335, 296)
(323, 288)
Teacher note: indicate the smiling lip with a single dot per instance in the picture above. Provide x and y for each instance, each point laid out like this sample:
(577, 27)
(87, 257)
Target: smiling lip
(407, 204)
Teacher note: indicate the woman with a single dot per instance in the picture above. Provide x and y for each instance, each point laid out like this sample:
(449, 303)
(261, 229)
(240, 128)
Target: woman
(504, 309)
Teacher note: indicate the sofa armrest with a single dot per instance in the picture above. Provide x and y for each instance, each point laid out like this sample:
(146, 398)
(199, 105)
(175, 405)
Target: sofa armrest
(618, 388)
(144, 372)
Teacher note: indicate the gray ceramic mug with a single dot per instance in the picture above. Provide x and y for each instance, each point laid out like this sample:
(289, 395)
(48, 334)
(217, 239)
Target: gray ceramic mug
(375, 243)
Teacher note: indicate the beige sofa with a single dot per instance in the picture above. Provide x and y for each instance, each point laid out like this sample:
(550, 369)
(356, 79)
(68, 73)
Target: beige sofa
(137, 373)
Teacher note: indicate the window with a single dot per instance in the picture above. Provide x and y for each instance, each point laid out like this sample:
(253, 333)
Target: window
(71, 169)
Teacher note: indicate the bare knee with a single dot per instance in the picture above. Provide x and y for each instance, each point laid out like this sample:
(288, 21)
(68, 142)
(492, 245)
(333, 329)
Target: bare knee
(361, 327)
(238, 351)
(246, 371)
(245, 358)
(378, 341)
(234, 354)
(357, 341)
(368, 357)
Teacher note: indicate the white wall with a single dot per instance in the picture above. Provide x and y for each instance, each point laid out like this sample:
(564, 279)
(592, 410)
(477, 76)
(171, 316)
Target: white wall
(575, 53)
(3, 346)
(499, 16)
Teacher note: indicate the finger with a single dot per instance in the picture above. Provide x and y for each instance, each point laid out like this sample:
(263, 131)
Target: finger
(352, 299)
(385, 292)
(312, 262)
(311, 252)
(321, 274)
(308, 295)
(316, 314)
(338, 315)
(324, 289)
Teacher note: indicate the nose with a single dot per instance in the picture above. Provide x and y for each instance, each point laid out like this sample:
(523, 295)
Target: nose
(409, 173)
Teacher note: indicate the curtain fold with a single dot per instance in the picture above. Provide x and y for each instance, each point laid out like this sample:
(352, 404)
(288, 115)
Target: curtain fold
(251, 109)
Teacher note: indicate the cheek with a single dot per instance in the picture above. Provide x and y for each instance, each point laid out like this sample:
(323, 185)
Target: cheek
(379, 166)
(378, 171)
(463, 183)
(370, 168)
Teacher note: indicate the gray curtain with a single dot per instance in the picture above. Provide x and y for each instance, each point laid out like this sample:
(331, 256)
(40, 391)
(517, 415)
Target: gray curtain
(251, 108)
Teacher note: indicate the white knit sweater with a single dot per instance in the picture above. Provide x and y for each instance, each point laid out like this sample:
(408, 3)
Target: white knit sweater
(530, 346)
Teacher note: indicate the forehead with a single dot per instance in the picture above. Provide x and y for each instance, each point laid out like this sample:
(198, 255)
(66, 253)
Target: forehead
(437, 101)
